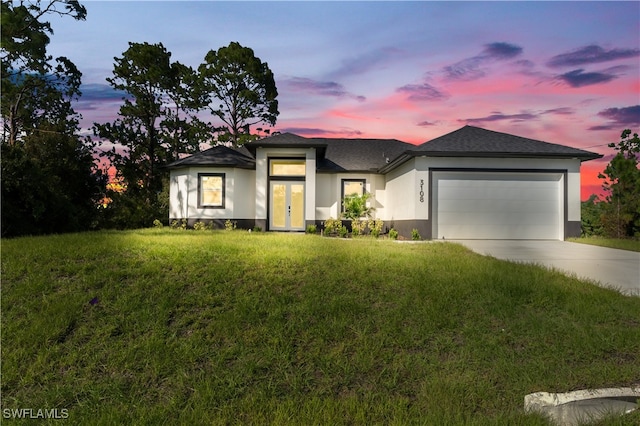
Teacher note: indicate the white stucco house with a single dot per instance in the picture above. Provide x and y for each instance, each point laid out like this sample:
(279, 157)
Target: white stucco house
(469, 184)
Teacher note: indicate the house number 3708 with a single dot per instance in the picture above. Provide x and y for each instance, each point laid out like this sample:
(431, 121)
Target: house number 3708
(422, 190)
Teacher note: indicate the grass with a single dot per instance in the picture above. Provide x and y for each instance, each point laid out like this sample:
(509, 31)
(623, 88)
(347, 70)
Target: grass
(181, 327)
(617, 243)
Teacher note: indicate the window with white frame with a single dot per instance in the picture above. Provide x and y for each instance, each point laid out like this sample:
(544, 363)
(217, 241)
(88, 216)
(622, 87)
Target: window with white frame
(211, 190)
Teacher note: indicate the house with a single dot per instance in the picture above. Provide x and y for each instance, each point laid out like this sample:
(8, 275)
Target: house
(469, 184)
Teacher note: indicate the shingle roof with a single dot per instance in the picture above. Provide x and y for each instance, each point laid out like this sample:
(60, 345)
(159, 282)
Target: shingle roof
(359, 154)
(218, 156)
(340, 154)
(471, 141)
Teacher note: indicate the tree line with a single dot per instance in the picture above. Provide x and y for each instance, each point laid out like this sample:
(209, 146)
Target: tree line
(618, 214)
(51, 178)
(52, 181)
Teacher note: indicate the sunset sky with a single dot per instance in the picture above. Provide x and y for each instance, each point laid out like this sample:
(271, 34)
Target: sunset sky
(561, 72)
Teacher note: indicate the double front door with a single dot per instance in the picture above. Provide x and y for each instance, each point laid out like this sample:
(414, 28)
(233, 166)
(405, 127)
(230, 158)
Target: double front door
(287, 206)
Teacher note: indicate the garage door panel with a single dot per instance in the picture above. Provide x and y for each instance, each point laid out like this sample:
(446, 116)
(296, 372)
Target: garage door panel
(495, 205)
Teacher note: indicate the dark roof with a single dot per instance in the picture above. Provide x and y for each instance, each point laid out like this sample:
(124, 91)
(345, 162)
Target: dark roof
(471, 141)
(359, 154)
(340, 154)
(382, 155)
(218, 156)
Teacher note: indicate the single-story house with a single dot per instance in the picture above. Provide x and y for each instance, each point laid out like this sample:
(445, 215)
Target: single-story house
(469, 184)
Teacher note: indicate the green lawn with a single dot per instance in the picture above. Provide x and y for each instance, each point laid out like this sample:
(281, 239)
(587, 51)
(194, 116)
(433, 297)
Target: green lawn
(623, 244)
(183, 327)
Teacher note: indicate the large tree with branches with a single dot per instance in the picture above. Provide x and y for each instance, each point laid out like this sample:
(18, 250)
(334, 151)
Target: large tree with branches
(242, 91)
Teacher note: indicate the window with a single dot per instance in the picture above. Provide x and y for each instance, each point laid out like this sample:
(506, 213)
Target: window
(287, 167)
(211, 190)
(352, 187)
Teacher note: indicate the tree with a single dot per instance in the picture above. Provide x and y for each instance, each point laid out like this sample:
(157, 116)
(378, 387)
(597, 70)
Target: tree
(621, 217)
(242, 91)
(33, 90)
(156, 123)
(50, 182)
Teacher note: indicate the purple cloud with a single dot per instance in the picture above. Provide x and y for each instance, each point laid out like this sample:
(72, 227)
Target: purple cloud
(321, 88)
(426, 124)
(560, 111)
(310, 131)
(620, 118)
(590, 55)
(498, 116)
(579, 78)
(469, 69)
(422, 92)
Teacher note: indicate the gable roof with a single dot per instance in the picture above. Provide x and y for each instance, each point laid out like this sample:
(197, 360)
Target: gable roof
(471, 141)
(219, 155)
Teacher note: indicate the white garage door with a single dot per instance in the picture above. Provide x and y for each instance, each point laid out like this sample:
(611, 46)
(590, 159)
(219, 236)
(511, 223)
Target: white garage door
(498, 205)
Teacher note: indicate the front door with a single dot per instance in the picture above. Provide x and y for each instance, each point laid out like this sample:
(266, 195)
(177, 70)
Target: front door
(287, 206)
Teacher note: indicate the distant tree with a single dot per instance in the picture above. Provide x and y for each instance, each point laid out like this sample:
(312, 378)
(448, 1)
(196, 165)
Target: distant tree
(621, 217)
(156, 123)
(50, 182)
(591, 214)
(242, 91)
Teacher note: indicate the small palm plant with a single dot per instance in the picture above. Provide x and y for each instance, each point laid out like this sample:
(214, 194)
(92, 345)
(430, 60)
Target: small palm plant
(355, 206)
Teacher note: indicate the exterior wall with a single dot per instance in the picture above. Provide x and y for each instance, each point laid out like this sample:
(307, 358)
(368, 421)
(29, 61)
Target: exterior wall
(329, 193)
(240, 196)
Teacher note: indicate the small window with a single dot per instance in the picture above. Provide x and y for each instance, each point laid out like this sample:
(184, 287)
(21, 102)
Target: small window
(287, 167)
(352, 187)
(211, 190)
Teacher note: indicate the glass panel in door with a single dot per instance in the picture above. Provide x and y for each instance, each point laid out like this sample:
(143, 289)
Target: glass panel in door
(297, 206)
(279, 206)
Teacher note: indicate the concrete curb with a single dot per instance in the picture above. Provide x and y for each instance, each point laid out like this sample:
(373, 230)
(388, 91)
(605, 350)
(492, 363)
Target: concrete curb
(576, 407)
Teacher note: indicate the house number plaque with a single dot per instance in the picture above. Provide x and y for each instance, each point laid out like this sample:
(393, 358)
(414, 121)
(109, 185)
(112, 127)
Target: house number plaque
(422, 190)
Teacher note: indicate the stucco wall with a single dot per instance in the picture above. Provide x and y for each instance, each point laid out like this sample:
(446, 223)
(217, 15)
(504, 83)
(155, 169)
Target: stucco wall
(240, 197)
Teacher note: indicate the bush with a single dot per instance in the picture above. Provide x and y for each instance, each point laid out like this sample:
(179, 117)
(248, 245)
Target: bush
(178, 224)
(311, 229)
(332, 225)
(157, 224)
(415, 235)
(199, 226)
(355, 206)
(375, 226)
(257, 229)
(229, 225)
(343, 231)
(357, 227)
(393, 234)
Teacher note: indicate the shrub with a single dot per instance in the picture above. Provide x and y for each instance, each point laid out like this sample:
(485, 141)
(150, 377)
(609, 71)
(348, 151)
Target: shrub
(357, 227)
(393, 234)
(375, 226)
(332, 225)
(257, 229)
(343, 231)
(230, 225)
(157, 224)
(179, 224)
(355, 206)
(415, 235)
(311, 229)
(199, 226)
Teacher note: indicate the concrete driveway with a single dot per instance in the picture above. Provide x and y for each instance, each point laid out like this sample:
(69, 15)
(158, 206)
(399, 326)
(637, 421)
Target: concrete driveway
(618, 269)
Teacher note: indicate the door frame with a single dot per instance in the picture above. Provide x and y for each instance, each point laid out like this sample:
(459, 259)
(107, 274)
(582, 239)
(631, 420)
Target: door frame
(288, 182)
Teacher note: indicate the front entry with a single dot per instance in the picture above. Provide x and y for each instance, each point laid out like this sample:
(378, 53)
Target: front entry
(287, 206)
